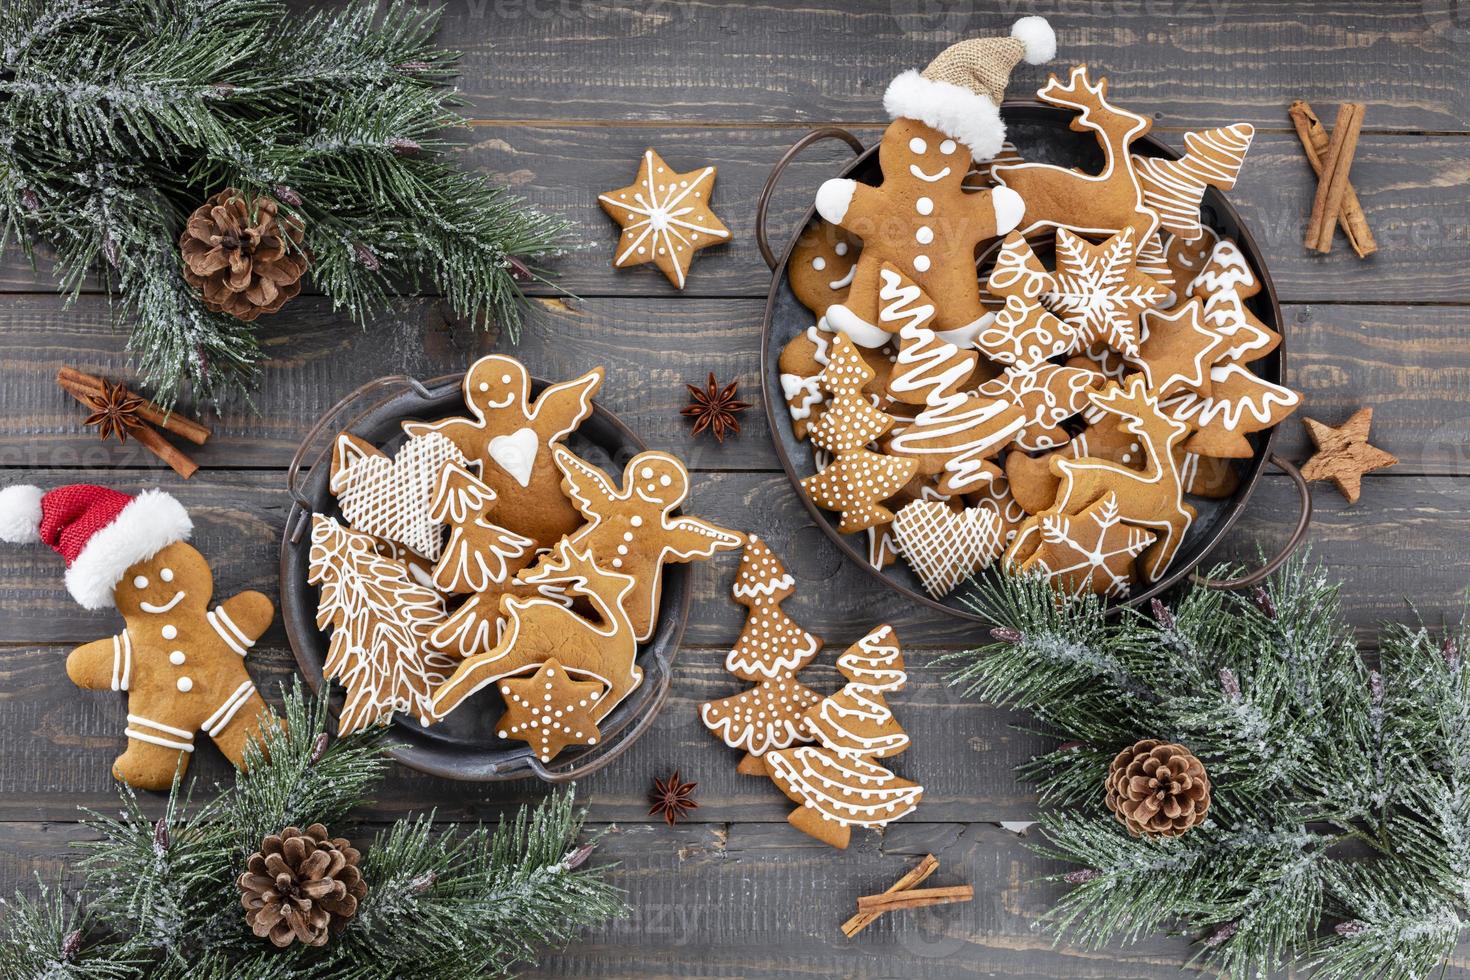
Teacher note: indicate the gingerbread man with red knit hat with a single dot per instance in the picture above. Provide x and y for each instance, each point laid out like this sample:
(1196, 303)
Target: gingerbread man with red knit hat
(181, 663)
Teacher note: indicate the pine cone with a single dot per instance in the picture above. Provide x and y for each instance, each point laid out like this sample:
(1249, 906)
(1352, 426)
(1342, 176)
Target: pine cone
(242, 267)
(301, 886)
(1157, 789)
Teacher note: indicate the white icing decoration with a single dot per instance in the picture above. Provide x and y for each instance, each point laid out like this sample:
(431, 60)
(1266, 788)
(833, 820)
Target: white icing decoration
(225, 713)
(516, 453)
(184, 684)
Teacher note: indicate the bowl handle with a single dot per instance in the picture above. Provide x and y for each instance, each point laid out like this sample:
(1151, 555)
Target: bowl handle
(816, 135)
(1292, 543)
(330, 422)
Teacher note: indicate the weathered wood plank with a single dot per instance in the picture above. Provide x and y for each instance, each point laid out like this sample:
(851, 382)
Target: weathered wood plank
(761, 900)
(1409, 186)
(1191, 63)
(1405, 538)
(1410, 363)
(61, 743)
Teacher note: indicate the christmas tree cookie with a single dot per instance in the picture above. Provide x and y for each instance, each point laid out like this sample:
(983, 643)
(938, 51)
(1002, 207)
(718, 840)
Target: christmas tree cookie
(771, 649)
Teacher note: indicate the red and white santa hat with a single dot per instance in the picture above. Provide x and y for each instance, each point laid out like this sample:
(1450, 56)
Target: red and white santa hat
(99, 531)
(960, 92)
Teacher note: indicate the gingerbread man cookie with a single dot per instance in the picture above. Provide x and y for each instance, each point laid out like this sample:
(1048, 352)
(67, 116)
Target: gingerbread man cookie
(180, 661)
(633, 529)
(900, 223)
(511, 437)
(822, 265)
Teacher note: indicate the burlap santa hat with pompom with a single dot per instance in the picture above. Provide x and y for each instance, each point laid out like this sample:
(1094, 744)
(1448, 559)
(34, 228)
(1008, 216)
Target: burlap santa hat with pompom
(960, 92)
(99, 531)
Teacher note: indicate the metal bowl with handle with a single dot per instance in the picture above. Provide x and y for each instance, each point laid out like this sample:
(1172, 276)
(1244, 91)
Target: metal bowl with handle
(464, 745)
(1043, 134)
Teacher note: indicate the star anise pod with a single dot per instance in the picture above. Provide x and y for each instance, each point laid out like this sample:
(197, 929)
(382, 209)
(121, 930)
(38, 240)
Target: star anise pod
(714, 408)
(114, 411)
(672, 798)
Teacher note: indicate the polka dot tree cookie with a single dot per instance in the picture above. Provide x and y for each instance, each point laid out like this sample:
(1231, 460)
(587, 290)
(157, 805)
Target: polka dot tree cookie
(771, 649)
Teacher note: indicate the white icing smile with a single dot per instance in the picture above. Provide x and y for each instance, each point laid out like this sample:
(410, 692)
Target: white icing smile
(149, 607)
(914, 169)
(502, 404)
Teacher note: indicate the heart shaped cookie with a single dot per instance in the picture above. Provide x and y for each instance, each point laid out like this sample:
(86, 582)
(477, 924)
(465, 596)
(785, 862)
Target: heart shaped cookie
(945, 546)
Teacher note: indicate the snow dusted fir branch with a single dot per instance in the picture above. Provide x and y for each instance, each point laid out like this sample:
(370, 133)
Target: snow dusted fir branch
(120, 117)
(158, 898)
(1339, 833)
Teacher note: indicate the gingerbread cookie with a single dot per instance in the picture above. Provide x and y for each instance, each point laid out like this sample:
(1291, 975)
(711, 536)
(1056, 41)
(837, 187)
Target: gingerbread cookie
(822, 265)
(899, 223)
(998, 498)
(549, 710)
(927, 370)
(380, 620)
(665, 217)
(1103, 203)
(836, 784)
(1176, 350)
(633, 529)
(1045, 395)
(1239, 403)
(1224, 284)
(511, 436)
(180, 662)
(801, 363)
(1151, 497)
(1091, 551)
(1175, 188)
(1186, 259)
(943, 546)
(850, 420)
(538, 629)
(480, 554)
(389, 498)
(770, 650)
(1099, 291)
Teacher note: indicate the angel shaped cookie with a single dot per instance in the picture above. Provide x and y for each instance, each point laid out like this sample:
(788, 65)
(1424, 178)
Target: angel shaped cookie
(633, 530)
(511, 436)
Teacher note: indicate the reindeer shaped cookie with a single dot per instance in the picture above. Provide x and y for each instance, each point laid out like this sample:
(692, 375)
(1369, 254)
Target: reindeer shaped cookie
(1151, 497)
(1103, 203)
(539, 629)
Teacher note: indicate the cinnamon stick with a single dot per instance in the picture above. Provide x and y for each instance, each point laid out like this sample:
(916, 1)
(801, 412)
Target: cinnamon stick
(1336, 163)
(915, 898)
(169, 421)
(146, 436)
(1352, 217)
(915, 876)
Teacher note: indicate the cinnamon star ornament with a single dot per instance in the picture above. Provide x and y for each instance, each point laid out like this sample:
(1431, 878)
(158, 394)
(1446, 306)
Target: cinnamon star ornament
(665, 217)
(1343, 454)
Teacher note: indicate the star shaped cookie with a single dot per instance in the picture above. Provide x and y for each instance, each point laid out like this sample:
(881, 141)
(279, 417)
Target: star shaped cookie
(549, 710)
(1100, 292)
(665, 217)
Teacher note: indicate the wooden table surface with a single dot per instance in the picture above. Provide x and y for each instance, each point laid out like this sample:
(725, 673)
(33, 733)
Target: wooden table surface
(565, 95)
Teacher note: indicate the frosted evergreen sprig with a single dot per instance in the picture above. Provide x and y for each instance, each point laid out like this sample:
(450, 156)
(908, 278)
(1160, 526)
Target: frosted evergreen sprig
(1339, 832)
(119, 117)
(158, 897)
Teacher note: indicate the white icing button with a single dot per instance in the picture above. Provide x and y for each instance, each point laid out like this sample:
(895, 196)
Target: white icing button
(924, 206)
(840, 248)
(185, 684)
(140, 581)
(917, 145)
(505, 379)
(636, 521)
(921, 263)
(664, 480)
(167, 574)
(617, 563)
(947, 147)
(647, 473)
(170, 631)
(484, 386)
(819, 263)
(924, 235)
(176, 658)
